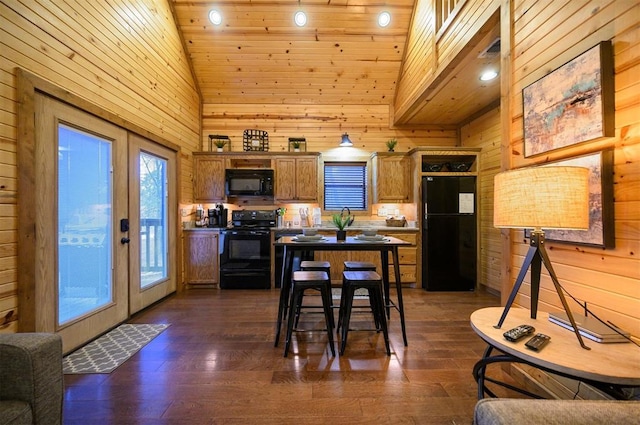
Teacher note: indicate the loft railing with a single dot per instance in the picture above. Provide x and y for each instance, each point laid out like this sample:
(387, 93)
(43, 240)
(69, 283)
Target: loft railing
(446, 10)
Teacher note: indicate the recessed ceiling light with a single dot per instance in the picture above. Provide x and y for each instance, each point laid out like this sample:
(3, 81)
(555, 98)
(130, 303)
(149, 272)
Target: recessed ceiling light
(215, 17)
(488, 75)
(300, 18)
(384, 19)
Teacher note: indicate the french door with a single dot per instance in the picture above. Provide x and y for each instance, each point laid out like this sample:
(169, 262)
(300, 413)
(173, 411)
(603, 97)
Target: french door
(105, 215)
(152, 218)
(81, 194)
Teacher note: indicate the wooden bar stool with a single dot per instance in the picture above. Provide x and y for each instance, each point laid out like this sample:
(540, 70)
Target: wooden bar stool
(321, 266)
(301, 281)
(359, 266)
(372, 282)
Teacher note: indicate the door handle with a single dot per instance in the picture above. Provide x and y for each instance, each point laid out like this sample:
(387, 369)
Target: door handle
(125, 241)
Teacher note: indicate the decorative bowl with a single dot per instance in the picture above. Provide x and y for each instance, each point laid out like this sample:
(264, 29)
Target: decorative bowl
(369, 232)
(309, 232)
(459, 166)
(426, 167)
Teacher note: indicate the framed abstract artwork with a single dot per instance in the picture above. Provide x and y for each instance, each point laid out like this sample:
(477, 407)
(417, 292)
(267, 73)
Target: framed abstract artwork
(572, 104)
(601, 221)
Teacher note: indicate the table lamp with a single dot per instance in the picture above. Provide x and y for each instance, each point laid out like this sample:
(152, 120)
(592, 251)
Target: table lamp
(546, 197)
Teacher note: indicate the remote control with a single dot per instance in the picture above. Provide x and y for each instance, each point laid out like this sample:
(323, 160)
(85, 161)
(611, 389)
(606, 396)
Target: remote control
(537, 342)
(519, 332)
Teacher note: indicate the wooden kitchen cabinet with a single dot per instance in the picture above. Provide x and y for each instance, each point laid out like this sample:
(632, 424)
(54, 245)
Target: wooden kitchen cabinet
(296, 179)
(208, 182)
(391, 177)
(200, 253)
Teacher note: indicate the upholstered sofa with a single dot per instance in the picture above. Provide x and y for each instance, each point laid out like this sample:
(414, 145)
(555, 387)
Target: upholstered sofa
(496, 411)
(31, 379)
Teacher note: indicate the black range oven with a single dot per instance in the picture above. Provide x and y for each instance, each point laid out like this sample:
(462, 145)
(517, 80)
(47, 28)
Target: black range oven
(245, 250)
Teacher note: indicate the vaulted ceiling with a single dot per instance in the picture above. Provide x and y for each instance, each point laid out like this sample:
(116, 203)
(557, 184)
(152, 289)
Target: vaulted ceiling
(257, 55)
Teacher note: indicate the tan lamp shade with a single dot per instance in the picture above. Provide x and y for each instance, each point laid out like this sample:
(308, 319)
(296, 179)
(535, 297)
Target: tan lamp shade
(548, 197)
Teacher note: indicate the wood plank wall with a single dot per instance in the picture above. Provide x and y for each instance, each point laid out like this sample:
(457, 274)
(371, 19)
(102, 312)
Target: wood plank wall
(485, 133)
(546, 35)
(427, 53)
(125, 57)
(369, 126)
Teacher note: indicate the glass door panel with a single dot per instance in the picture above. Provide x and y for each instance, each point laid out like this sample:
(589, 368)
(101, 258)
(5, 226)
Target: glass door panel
(153, 219)
(84, 223)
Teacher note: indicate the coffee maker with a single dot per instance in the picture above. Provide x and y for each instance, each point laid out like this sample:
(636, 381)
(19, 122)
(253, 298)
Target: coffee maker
(218, 216)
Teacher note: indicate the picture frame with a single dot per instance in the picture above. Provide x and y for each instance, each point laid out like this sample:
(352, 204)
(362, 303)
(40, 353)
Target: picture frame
(572, 104)
(601, 220)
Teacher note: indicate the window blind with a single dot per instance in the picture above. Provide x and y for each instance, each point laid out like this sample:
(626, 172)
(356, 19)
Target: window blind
(345, 185)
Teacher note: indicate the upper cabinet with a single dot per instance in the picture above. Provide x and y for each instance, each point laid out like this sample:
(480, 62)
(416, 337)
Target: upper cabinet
(296, 178)
(391, 177)
(208, 183)
(296, 175)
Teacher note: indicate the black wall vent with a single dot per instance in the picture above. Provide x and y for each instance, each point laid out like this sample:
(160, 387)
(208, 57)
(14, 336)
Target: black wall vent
(492, 51)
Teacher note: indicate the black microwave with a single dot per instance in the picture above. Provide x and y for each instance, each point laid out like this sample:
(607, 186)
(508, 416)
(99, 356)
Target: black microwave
(245, 182)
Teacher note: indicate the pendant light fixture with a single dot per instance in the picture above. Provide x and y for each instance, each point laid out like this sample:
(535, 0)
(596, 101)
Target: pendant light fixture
(345, 141)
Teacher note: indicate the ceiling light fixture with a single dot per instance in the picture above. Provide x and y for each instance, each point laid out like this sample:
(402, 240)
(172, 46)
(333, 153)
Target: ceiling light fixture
(300, 18)
(215, 17)
(488, 75)
(346, 142)
(384, 19)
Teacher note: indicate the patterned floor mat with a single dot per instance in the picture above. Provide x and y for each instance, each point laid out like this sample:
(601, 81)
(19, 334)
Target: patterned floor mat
(111, 350)
(361, 294)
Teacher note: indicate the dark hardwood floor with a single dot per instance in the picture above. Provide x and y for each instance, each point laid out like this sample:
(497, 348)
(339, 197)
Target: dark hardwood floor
(216, 364)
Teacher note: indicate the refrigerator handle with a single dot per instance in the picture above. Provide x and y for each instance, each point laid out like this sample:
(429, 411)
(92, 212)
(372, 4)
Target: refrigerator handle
(425, 224)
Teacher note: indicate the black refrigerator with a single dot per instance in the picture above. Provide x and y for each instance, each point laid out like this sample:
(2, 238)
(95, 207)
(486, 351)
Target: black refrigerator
(449, 238)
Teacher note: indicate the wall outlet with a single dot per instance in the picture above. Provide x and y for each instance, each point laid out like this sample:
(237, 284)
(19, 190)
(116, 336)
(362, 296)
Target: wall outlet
(382, 212)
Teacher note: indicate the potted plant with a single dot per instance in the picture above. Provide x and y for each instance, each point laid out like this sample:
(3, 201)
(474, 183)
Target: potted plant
(391, 144)
(341, 221)
(219, 144)
(296, 145)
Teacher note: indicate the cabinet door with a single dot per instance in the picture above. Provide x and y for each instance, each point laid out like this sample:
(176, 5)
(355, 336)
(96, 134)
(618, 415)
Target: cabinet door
(297, 179)
(208, 185)
(392, 179)
(307, 179)
(285, 175)
(201, 257)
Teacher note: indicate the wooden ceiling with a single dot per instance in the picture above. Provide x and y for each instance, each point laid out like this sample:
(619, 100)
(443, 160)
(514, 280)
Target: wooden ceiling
(341, 57)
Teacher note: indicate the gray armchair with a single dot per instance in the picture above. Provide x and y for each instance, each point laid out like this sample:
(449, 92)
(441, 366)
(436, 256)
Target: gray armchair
(503, 411)
(31, 379)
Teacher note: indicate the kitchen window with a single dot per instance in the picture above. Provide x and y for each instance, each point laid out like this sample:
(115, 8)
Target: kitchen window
(345, 185)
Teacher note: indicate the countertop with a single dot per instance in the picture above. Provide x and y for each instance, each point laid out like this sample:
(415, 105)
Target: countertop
(354, 228)
(296, 230)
